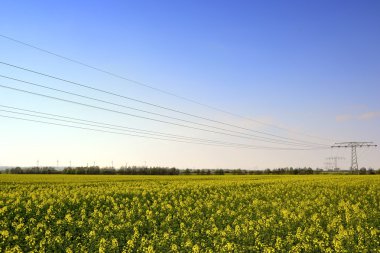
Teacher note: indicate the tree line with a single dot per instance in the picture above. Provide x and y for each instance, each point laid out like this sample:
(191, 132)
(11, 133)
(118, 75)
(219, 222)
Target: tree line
(143, 170)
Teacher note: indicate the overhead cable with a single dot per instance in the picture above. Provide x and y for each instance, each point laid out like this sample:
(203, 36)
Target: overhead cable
(139, 116)
(158, 114)
(155, 88)
(156, 138)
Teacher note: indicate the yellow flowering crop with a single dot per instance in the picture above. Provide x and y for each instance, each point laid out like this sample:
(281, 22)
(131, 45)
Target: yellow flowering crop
(72, 213)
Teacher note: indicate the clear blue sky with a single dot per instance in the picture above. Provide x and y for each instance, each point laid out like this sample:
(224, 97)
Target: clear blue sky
(309, 66)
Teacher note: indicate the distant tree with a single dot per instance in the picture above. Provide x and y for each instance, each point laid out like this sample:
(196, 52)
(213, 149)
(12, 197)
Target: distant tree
(371, 171)
(219, 172)
(362, 171)
(108, 171)
(16, 170)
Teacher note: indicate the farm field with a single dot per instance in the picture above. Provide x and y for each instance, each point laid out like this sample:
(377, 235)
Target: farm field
(71, 213)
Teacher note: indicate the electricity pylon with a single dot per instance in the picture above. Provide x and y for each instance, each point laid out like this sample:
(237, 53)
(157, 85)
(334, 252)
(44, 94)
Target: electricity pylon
(353, 145)
(335, 160)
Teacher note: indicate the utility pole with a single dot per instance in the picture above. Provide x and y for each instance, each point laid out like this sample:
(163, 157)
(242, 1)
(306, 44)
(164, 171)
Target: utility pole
(354, 156)
(334, 160)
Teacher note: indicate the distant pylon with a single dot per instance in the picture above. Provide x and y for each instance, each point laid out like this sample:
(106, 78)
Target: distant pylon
(335, 160)
(353, 145)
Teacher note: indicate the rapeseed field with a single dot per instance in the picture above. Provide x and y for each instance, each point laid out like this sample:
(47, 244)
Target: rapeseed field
(72, 213)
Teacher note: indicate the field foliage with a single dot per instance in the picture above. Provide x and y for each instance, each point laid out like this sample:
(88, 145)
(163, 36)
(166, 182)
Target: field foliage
(71, 213)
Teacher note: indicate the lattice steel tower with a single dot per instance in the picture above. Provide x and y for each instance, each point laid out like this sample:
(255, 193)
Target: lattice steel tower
(353, 145)
(334, 160)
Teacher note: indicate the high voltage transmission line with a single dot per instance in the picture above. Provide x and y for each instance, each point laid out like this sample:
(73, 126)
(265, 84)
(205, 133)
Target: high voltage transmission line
(95, 123)
(144, 102)
(152, 87)
(152, 119)
(124, 128)
(161, 115)
(201, 142)
(105, 125)
(113, 132)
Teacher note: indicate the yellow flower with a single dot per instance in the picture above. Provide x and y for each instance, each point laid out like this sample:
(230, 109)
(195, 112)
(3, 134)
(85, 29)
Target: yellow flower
(4, 233)
(196, 248)
(174, 247)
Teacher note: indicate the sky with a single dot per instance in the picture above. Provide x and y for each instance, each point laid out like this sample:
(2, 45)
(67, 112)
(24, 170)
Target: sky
(297, 71)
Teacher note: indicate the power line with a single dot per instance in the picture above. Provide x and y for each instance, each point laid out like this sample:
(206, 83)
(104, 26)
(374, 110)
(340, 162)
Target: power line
(190, 140)
(152, 87)
(104, 131)
(113, 127)
(149, 137)
(170, 136)
(153, 113)
(133, 115)
(144, 102)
